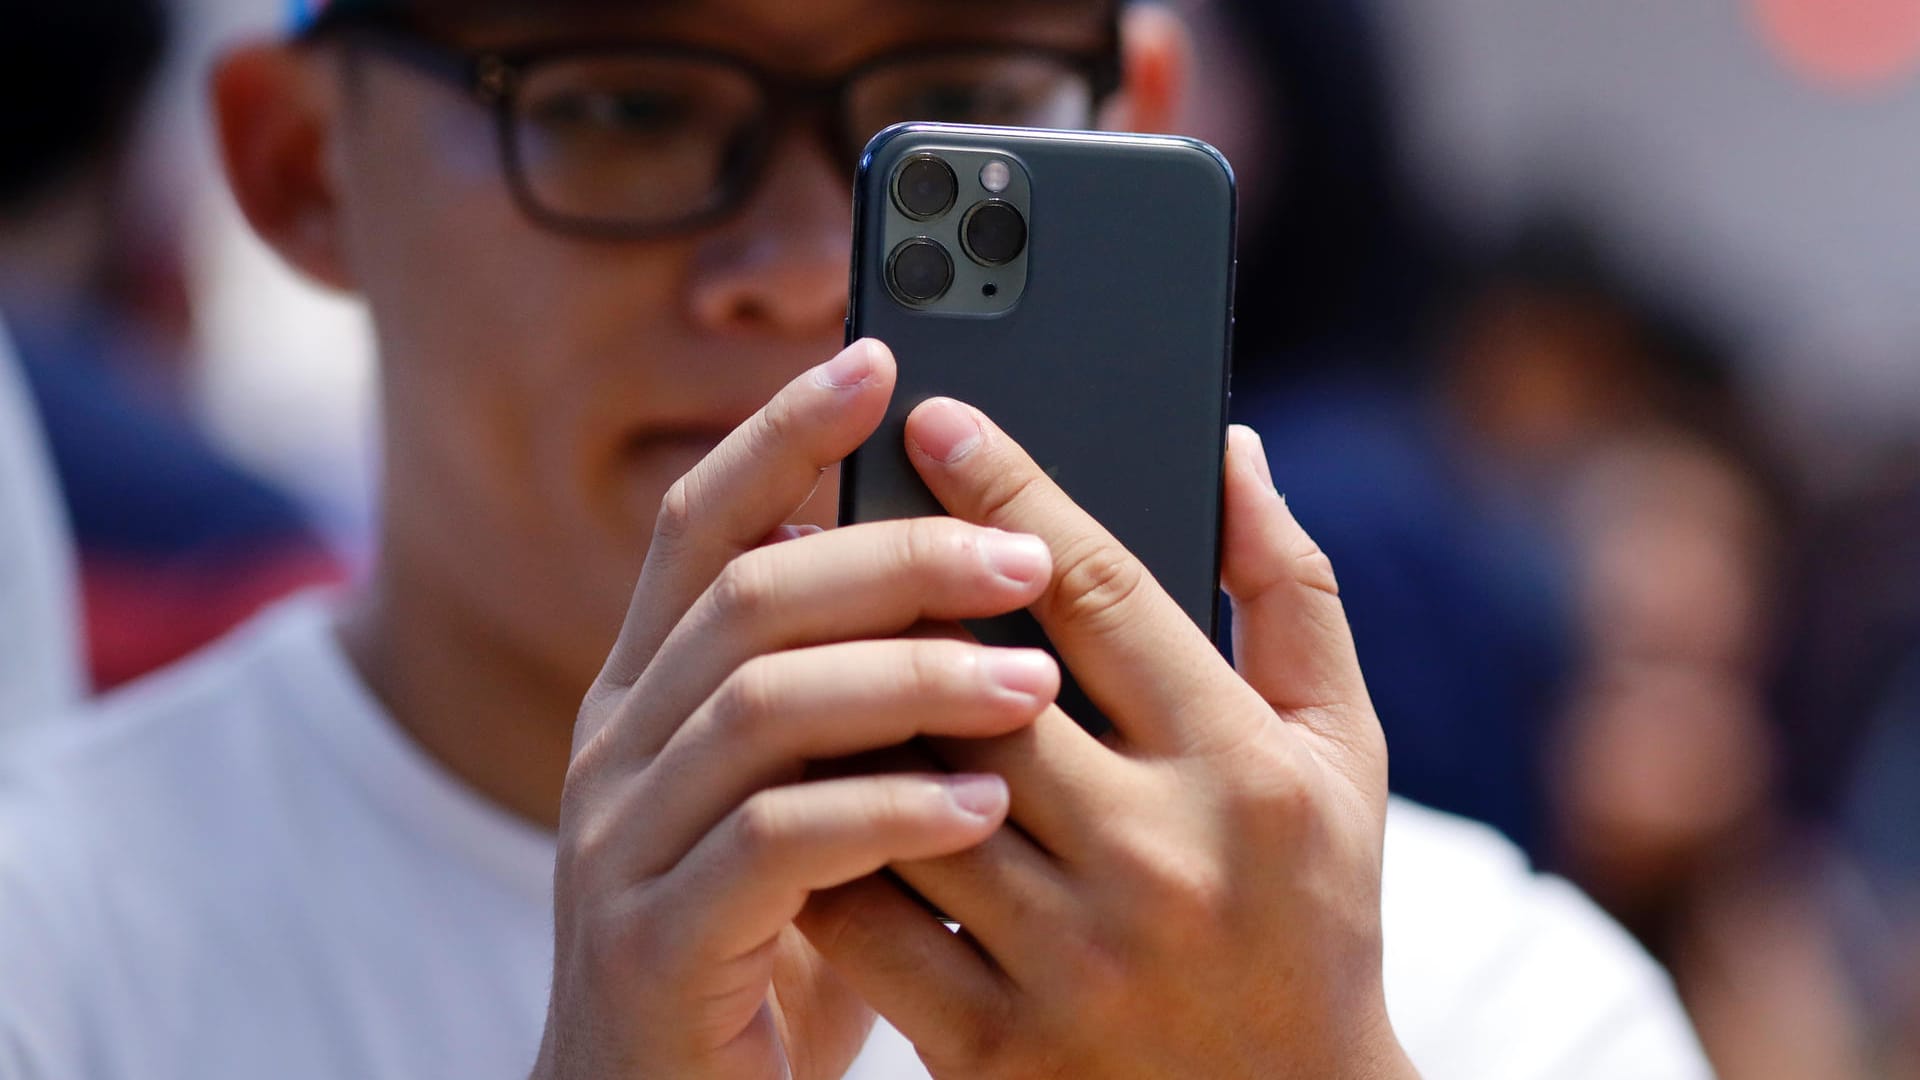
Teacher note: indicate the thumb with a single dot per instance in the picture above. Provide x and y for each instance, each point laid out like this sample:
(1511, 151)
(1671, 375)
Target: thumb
(1292, 643)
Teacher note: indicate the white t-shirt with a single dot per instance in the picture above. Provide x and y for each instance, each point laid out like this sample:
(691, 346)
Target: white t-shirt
(39, 633)
(243, 869)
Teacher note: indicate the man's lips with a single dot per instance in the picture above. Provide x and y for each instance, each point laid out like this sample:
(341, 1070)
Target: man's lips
(679, 439)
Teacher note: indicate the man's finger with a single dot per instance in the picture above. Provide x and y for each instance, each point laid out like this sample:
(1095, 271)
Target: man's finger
(1136, 653)
(1067, 785)
(1012, 897)
(749, 878)
(778, 712)
(872, 580)
(1291, 638)
(929, 983)
(746, 488)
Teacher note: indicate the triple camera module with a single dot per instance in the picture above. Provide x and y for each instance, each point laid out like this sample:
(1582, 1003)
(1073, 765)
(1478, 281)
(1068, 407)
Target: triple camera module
(958, 231)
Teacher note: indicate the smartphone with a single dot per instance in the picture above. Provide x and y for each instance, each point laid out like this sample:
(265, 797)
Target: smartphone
(1077, 287)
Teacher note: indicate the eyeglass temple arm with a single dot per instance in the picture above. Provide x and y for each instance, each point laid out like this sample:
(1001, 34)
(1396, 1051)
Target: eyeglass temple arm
(486, 76)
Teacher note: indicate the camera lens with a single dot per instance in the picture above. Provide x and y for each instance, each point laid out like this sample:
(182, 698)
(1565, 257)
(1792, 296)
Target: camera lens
(925, 187)
(921, 271)
(995, 233)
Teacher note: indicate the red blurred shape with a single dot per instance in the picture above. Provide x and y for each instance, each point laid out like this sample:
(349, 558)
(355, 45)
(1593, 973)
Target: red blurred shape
(1843, 44)
(142, 616)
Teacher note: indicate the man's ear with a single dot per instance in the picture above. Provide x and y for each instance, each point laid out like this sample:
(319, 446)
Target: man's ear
(275, 111)
(1156, 53)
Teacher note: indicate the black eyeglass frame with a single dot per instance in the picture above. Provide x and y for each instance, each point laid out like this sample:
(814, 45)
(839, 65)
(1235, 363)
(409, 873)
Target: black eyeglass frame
(493, 79)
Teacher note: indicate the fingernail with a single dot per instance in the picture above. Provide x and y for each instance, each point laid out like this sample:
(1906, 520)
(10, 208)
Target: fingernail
(1024, 672)
(983, 796)
(946, 430)
(852, 367)
(1019, 558)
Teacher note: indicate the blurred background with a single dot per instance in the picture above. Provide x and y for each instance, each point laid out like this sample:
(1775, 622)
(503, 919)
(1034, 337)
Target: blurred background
(1585, 337)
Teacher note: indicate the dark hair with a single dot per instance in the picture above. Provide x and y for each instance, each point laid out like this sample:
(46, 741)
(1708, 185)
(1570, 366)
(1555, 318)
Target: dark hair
(341, 12)
(1344, 270)
(72, 75)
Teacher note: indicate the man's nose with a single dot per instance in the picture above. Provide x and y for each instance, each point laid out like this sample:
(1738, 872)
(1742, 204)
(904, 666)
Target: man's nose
(780, 266)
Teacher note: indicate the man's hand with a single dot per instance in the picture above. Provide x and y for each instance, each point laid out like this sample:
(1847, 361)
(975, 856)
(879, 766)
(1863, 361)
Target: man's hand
(689, 836)
(1199, 893)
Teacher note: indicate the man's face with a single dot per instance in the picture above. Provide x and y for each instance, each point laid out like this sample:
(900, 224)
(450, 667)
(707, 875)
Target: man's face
(543, 391)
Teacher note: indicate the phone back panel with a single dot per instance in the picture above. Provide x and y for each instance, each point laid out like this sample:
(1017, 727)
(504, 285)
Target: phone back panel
(1112, 367)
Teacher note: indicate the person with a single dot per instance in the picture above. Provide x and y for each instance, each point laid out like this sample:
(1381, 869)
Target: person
(606, 251)
(175, 543)
(39, 633)
(1457, 600)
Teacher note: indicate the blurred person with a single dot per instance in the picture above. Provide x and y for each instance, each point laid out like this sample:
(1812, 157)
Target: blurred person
(388, 839)
(1619, 427)
(176, 544)
(1456, 599)
(1623, 424)
(39, 631)
(1668, 775)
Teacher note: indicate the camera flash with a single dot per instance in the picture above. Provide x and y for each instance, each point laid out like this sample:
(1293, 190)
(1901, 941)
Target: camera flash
(995, 176)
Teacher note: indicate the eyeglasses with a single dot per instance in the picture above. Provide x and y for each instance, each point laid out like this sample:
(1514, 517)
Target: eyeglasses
(637, 141)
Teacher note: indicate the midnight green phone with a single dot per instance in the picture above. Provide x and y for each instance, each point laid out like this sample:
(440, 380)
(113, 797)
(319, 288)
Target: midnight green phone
(1078, 288)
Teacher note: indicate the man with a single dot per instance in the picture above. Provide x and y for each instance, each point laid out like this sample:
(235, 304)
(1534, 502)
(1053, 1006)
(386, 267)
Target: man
(39, 635)
(605, 250)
